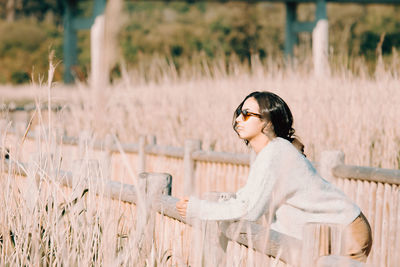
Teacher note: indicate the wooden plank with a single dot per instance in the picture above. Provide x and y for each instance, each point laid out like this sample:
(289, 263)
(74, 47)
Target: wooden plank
(221, 157)
(378, 224)
(385, 225)
(353, 189)
(234, 186)
(370, 214)
(167, 205)
(359, 194)
(365, 198)
(396, 258)
(168, 151)
(346, 187)
(392, 227)
(367, 173)
(341, 171)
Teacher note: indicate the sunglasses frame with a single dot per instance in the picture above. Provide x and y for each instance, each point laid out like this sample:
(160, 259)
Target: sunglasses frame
(247, 114)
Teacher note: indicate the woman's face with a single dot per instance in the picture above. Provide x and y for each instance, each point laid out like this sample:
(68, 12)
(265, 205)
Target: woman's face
(252, 127)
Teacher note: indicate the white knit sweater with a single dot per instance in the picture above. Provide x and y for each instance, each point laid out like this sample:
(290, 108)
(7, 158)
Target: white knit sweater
(283, 186)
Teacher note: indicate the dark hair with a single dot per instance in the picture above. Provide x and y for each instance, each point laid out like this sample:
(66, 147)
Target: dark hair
(273, 109)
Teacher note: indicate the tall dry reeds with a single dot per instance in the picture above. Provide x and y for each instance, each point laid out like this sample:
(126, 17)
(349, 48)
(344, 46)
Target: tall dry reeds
(44, 223)
(350, 111)
(355, 113)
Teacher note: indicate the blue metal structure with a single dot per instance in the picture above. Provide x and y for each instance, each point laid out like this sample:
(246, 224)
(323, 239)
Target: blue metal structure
(72, 23)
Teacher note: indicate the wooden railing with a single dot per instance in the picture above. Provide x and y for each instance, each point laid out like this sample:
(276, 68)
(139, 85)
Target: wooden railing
(256, 245)
(375, 190)
(151, 185)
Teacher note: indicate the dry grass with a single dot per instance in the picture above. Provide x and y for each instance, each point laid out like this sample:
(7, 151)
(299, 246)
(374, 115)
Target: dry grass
(357, 114)
(45, 224)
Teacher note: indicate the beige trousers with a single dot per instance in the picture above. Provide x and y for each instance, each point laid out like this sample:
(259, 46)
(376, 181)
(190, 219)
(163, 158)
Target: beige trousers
(357, 239)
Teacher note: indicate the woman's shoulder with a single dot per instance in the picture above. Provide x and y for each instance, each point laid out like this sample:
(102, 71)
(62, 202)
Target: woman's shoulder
(283, 145)
(284, 151)
(280, 150)
(277, 150)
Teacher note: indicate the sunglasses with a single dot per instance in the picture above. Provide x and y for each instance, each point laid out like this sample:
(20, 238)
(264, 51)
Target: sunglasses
(247, 114)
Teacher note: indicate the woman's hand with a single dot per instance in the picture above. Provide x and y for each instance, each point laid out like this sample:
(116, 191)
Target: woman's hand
(181, 206)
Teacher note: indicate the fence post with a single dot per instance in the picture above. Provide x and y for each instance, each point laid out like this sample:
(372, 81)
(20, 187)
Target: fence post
(189, 166)
(142, 154)
(106, 157)
(152, 140)
(329, 160)
(151, 186)
(83, 145)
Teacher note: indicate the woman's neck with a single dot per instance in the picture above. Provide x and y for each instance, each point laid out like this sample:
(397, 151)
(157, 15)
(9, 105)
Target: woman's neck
(259, 142)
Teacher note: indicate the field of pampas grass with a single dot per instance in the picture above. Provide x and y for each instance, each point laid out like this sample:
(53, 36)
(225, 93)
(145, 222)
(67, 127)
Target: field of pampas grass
(44, 224)
(358, 114)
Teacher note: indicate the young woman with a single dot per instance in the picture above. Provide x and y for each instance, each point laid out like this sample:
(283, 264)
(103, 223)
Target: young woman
(282, 184)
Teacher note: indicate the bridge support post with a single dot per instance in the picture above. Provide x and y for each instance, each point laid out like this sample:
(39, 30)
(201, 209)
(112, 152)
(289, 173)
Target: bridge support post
(71, 25)
(290, 34)
(320, 40)
(99, 73)
(70, 43)
(97, 52)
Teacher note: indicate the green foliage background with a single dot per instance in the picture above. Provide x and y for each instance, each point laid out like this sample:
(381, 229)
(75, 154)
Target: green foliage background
(181, 31)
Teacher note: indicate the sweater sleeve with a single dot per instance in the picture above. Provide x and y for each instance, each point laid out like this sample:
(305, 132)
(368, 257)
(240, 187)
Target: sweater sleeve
(231, 209)
(250, 203)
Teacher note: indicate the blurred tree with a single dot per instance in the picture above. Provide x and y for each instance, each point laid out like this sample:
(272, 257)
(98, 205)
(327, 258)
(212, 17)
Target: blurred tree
(39, 9)
(180, 31)
(15, 9)
(10, 10)
(24, 48)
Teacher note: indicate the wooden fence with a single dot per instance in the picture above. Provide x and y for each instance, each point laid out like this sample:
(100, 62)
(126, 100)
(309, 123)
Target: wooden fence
(196, 171)
(246, 244)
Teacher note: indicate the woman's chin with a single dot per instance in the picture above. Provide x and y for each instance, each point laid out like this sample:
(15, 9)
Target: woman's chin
(243, 136)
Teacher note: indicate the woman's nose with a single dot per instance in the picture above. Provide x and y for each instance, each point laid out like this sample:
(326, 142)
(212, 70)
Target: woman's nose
(239, 118)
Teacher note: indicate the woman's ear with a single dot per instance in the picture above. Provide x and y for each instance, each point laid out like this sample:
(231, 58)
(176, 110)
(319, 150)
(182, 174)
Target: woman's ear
(268, 130)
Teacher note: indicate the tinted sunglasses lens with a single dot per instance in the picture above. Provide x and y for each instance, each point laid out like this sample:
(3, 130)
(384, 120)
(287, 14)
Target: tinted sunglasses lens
(245, 115)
